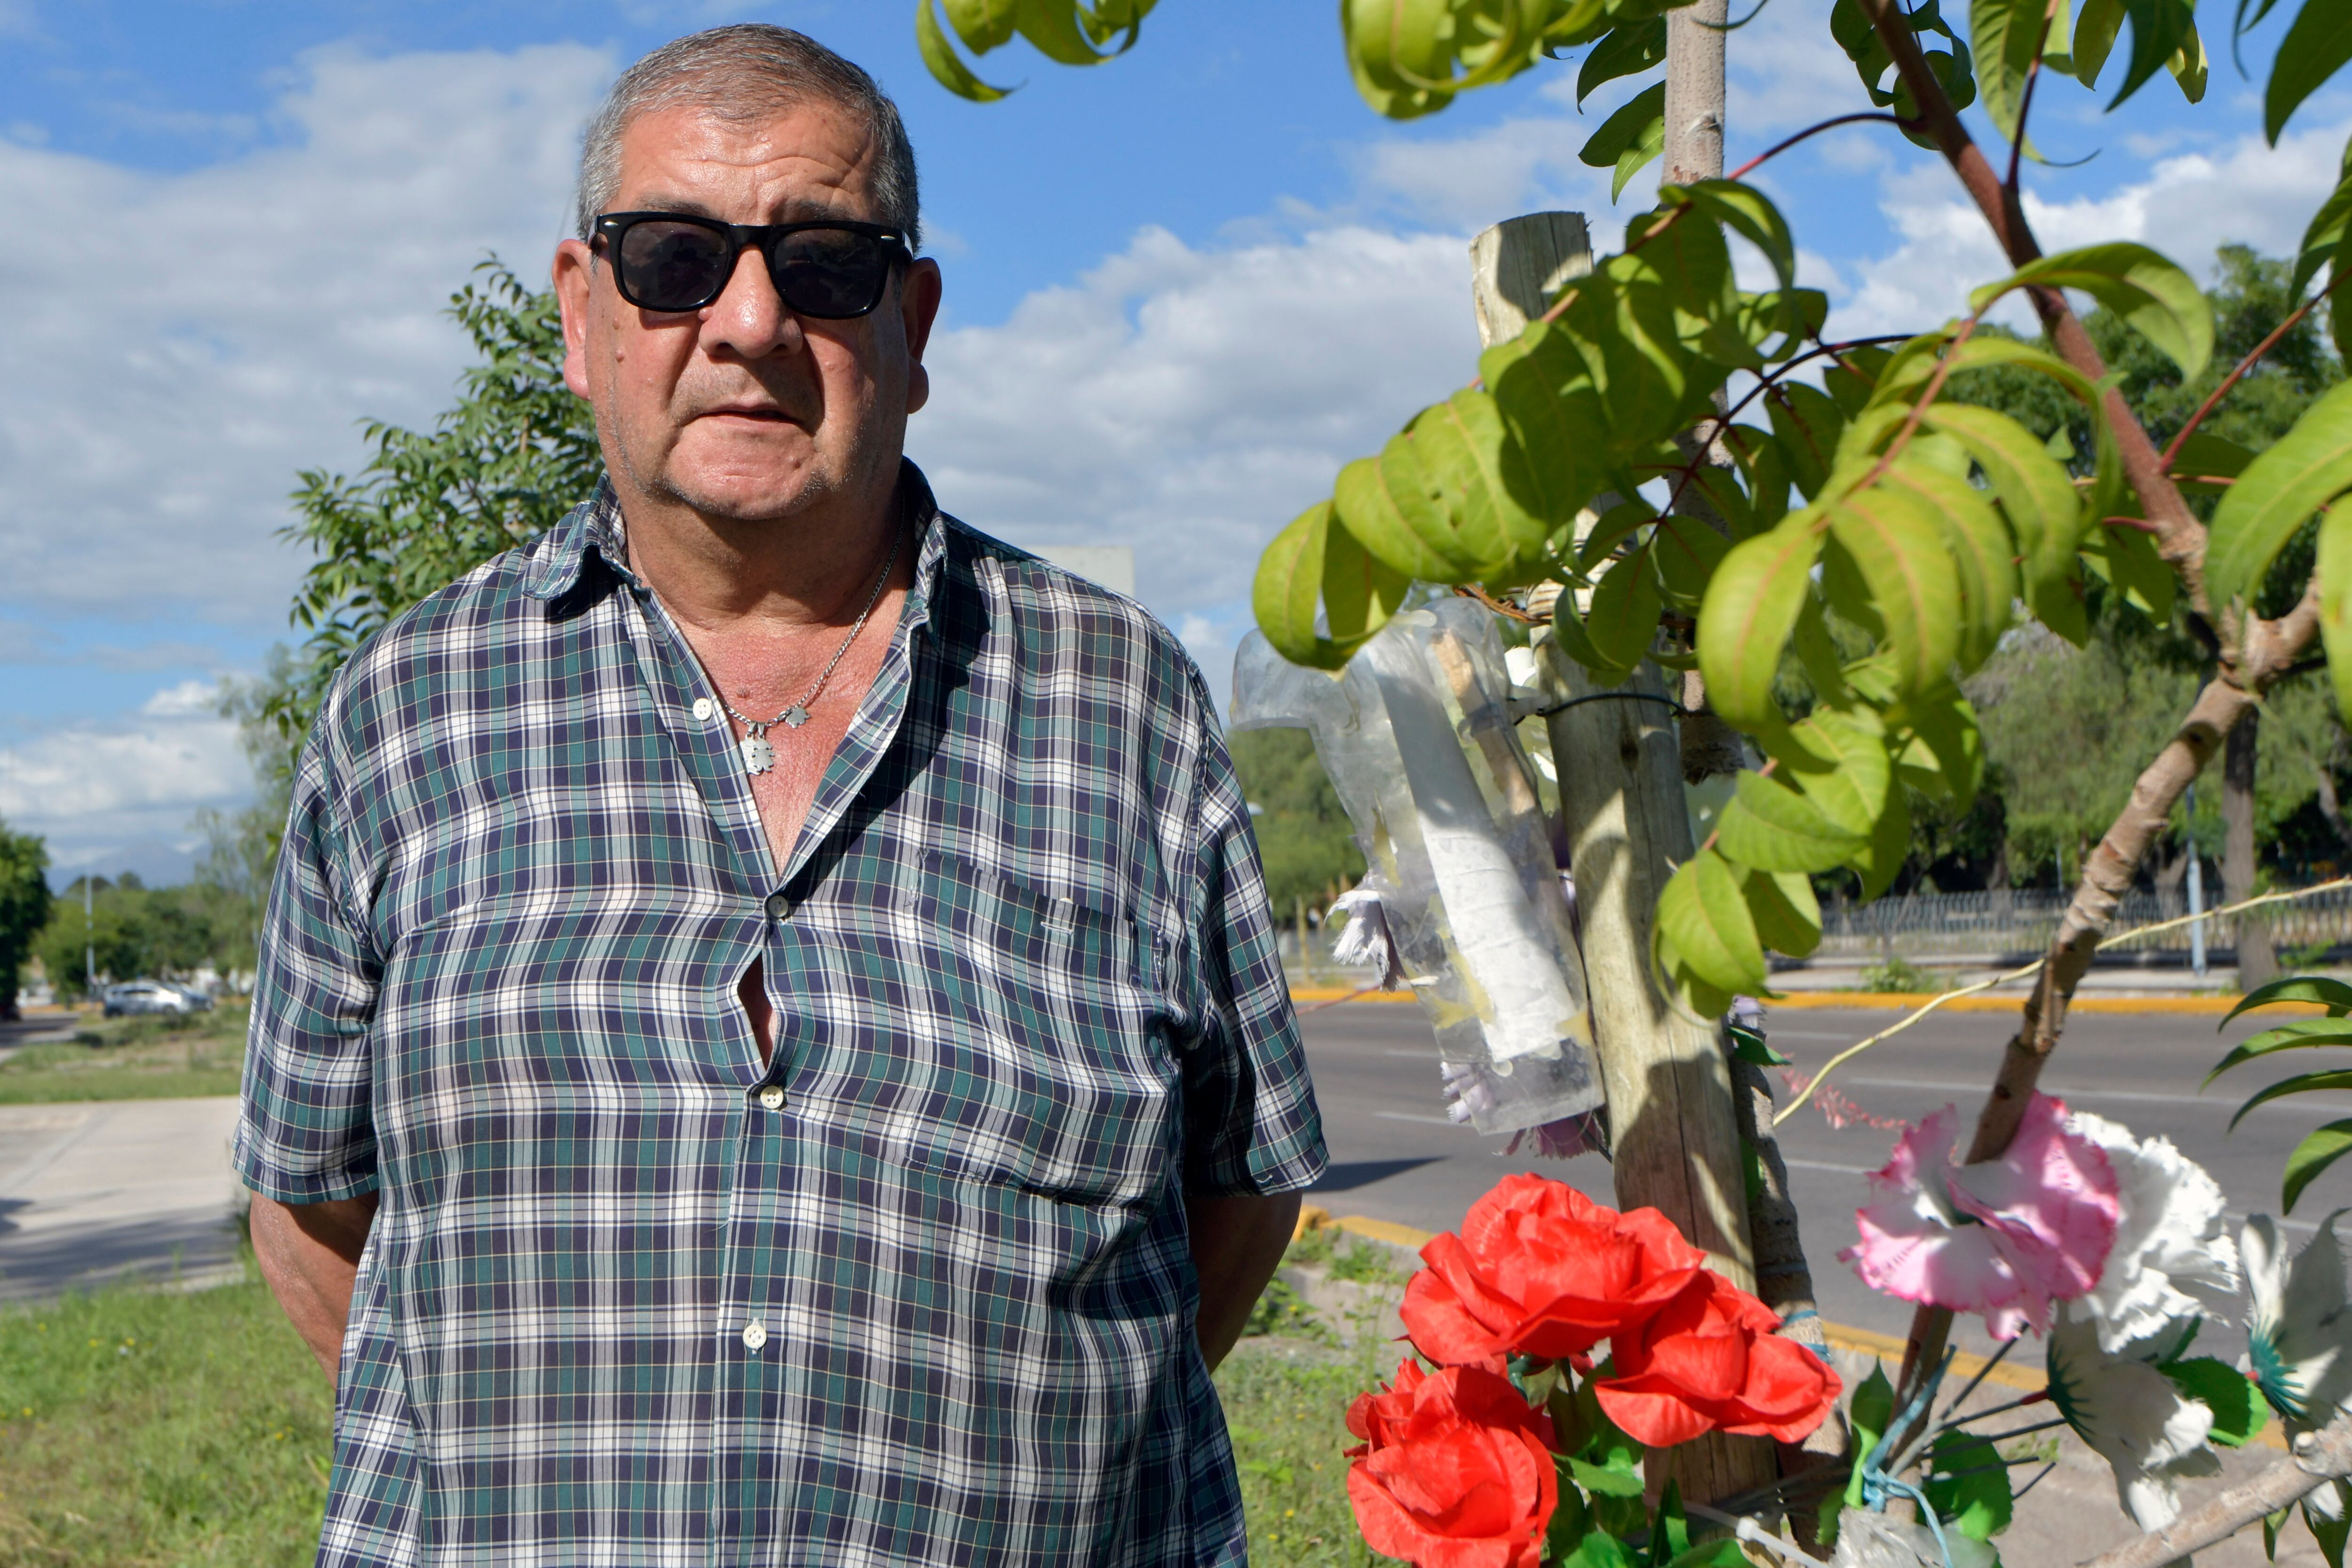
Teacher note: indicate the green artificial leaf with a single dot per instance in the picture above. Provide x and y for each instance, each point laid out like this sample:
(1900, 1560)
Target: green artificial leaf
(1770, 825)
(2318, 1149)
(1968, 1486)
(2044, 511)
(1867, 1414)
(1752, 1048)
(2303, 1035)
(2333, 571)
(2303, 472)
(2302, 1083)
(1605, 1481)
(2160, 301)
(1703, 912)
(1570, 1520)
(2316, 47)
(1722, 1552)
(1629, 138)
(1809, 426)
(2333, 994)
(1898, 547)
(1628, 49)
(1623, 618)
(1751, 607)
(1787, 915)
(1669, 1528)
(1599, 1549)
(2228, 1393)
(2332, 1534)
(947, 66)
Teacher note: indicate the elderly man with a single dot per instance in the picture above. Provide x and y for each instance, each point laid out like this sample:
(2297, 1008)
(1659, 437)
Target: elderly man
(770, 1046)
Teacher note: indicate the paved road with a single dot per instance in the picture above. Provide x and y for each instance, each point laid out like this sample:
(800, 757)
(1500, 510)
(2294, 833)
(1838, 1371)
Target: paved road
(1395, 1157)
(88, 1192)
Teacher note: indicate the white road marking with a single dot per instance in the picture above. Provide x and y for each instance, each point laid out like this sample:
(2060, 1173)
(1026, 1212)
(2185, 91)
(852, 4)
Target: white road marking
(1409, 1116)
(2078, 1091)
(1825, 1165)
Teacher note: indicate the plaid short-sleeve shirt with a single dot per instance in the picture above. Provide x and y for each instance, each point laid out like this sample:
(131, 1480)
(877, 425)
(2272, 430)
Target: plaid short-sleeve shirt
(625, 1302)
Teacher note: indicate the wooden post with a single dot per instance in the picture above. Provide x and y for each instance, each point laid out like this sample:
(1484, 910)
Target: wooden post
(1673, 1133)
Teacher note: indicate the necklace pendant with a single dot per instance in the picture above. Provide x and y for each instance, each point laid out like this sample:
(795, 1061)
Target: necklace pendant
(794, 717)
(757, 755)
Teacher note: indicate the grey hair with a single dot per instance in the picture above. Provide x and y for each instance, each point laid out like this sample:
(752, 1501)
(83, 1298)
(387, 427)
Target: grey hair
(745, 72)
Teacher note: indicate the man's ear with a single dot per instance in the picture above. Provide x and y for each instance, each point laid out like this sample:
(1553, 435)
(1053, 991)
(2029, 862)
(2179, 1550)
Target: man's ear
(919, 306)
(574, 276)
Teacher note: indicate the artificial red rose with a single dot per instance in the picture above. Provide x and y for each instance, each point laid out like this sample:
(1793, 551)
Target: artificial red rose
(1709, 1362)
(1541, 1269)
(1456, 1470)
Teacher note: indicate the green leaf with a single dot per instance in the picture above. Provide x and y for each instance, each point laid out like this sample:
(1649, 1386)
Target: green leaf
(2305, 470)
(1787, 915)
(1688, 550)
(1703, 912)
(1387, 517)
(983, 25)
(2315, 48)
(2004, 32)
(2159, 300)
(1752, 1047)
(1607, 1481)
(2334, 571)
(1625, 51)
(2323, 241)
(2302, 1083)
(2318, 1149)
(2331, 1533)
(1613, 528)
(1560, 433)
(1751, 607)
(2126, 558)
(1809, 427)
(1567, 626)
(1945, 726)
(2333, 994)
(1310, 560)
(2237, 1411)
(1629, 138)
(1977, 1502)
(1867, 1413)
(2095, 31)
(2163, 31)
(1890, 845)
(1053, 26)
(1623, 619)
(1599, 1549)
(1899, 545)
(947, 66)
(1838, 758)
(1462, 442)
(1982, 552)
(2203, 458)
(1722, 1552)
(1770, 825)
(2043, 509)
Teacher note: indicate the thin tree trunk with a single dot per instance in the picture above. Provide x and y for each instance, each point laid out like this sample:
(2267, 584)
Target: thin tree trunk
(2257, 959)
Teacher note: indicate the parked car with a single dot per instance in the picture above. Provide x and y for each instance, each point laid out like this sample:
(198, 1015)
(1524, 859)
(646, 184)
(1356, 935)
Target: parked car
(152, 997)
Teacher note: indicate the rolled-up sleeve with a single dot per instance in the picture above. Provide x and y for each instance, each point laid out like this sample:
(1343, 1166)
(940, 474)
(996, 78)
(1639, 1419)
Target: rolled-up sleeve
(1251, 1122)
(307, 1131)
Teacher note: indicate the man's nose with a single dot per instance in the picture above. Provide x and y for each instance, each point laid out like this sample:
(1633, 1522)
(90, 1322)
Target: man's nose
(749, 317)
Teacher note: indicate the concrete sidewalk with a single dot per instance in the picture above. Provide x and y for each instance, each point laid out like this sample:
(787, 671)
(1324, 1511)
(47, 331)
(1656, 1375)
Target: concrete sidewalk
(92, 1193)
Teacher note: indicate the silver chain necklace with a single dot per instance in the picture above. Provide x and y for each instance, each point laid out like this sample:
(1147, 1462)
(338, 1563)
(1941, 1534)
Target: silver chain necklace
(759, 756)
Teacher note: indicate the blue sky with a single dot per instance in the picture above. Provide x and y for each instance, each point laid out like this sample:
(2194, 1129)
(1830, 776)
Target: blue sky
(1183, 288)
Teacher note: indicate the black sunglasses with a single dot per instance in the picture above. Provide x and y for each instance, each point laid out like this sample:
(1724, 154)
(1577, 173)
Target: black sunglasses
(833, 270)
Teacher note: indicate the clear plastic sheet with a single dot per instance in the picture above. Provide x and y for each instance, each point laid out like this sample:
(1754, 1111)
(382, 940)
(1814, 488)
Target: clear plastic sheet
(1491, 959)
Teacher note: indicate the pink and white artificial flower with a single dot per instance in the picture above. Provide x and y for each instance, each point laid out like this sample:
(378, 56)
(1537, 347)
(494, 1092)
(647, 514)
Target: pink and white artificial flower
(2005, 1236)
(2173, 1257)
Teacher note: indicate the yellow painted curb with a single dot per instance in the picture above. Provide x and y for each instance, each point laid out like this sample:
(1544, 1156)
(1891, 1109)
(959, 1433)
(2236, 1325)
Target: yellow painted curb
(1342, 993)
(1905, 1000)
(1965, 1365)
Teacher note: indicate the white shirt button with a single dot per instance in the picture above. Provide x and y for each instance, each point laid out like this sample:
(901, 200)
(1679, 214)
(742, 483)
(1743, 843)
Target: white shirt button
(755, 1334)
(772, 1098)
(703, 709)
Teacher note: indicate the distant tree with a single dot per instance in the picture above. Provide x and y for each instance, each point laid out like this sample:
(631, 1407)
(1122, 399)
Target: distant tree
(514, 454)
(23, 905)
(1303, 834)
(132, 931)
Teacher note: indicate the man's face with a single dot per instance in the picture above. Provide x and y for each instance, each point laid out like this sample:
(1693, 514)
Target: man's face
(744, 410)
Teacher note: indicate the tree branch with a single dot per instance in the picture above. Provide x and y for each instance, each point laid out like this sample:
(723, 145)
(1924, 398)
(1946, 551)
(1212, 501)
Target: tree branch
(2180, 538)
(2172, 447)
(2319, 1457)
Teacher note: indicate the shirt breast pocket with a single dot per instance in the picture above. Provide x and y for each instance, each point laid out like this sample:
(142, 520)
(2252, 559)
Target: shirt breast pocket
(1055, 1074)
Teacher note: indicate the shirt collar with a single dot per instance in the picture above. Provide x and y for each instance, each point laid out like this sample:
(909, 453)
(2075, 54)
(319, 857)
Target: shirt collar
(596, 524)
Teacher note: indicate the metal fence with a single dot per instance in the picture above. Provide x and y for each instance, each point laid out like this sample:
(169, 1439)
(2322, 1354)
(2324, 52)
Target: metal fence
(2021, 924)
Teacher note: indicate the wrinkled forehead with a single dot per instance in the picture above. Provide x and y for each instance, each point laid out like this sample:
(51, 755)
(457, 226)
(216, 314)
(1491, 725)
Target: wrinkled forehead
(750, 164)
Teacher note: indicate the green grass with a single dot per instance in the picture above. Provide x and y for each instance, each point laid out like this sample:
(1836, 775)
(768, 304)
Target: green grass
(140, 1430)
(131, 1059)
(160, 1429)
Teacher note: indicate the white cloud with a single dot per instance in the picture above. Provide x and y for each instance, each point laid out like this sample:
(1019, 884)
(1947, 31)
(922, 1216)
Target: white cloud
(2186, 206)
(103, 786)
(188, 340)
(1190, 402)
